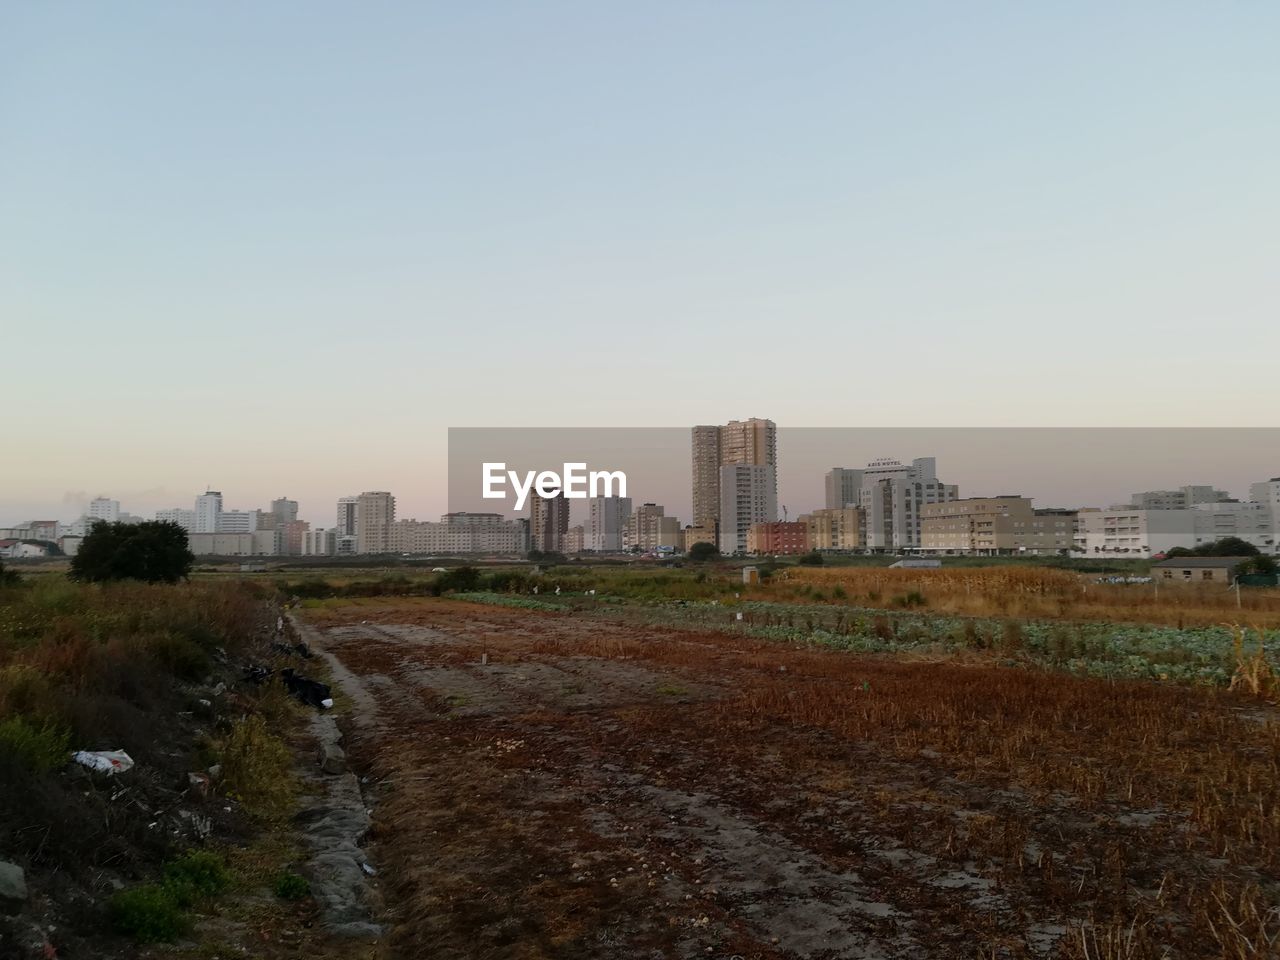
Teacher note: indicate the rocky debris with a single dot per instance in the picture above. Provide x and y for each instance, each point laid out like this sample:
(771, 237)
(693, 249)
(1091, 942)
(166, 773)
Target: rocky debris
(13, 887)
(332, 759)
(22, 938)
(294, 650)
(199, 785)
(333, 828)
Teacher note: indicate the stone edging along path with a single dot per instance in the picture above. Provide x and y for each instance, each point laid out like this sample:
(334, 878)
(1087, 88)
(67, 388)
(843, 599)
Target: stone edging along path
(334, 826)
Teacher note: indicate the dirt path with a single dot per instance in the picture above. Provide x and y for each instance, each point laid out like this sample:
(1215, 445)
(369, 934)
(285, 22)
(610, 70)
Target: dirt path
(545, 786)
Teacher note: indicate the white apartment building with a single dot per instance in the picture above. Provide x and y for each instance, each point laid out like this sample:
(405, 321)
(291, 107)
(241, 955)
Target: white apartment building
(1129, 532)
(891, 497)
(346, 517)
(208, 506)
(1267, 492)
(458, 533)
(284, 508)
(186, 519)
(748, 495)
(606, 524)
(236, 521)
(843, 488)
(100, 508)
(76, 528)
(1253, 522)
(1181, 499)
(319, 543)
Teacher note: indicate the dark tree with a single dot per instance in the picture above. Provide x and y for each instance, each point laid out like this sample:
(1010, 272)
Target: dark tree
(1226, 547)
(1229, 547)
(701, 552)
(8, 577)
(1260, 564)
(811, 559)
(153, 551)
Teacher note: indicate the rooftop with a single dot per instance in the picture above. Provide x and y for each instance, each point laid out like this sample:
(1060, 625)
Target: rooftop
(1188, 562)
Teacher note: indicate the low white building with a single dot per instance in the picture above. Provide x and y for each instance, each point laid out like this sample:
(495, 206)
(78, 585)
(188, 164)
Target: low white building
(261, 543)
(458, 533)
(1128, 532)
(17, 550)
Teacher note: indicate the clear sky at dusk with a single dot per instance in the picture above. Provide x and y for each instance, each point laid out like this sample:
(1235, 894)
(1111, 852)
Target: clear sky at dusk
(279, 248)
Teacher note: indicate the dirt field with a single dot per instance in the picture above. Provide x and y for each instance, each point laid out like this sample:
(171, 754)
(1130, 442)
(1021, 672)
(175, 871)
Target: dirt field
(552, 786)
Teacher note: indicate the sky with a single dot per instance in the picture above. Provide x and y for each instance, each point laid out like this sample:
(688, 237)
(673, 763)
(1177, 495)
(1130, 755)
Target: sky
(279, 249)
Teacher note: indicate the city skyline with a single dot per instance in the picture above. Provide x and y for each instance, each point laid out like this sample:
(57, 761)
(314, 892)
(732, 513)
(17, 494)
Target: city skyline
(988, 462)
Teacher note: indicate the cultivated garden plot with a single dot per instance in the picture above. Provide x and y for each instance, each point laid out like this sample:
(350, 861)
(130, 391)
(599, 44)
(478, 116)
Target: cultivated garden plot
(565, 784)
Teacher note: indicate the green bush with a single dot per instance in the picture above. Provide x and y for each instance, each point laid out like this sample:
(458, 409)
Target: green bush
(459, 579)
(8, 578)
(290, 886)
(195, 875)
(37, 748)
(179, 656)
(149, 913)
(256, 768)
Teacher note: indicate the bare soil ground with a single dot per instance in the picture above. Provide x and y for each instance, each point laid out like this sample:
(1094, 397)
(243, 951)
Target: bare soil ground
(552, 786)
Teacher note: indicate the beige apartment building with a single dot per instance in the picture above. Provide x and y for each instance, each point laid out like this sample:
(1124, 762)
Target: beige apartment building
(575, 539)
(994, 526)
(753, 441)
(375, 513)
(834, 528)
(706, 532)
(649, 528)
(548, 522)
(706, 474)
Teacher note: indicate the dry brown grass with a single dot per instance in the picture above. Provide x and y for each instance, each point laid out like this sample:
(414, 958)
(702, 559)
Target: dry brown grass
(1144, 817)
(1032, 592)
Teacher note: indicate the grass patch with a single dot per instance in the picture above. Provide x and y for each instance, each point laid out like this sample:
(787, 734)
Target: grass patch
(37, 748)
(196, 876)
(257, 769)
(149, 914)
(290, 886)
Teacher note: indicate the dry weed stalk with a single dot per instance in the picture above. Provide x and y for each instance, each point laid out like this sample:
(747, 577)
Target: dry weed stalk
(1254, 673)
